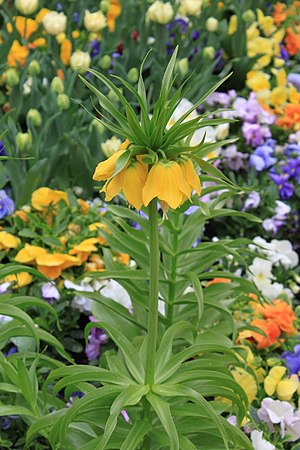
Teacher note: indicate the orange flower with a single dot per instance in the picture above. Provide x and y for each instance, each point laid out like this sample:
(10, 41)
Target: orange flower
(279, 13)
(22, 215)
(84, 249)
(39, 42)
(24, 26)
(292, 41)
(291, 118)
(17, 54)
(113, 13)
(281, 313)
(218, 280)
(60, 74)
(39, 17)
(8, 241)
(29, 253)
(43, 197)
(52, 265)
(269, 327)
(123, 258)
(84, 207)
(66, 51)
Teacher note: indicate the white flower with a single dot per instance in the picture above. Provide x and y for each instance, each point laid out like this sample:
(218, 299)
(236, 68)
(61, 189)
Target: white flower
(55, 23)
(80, 59)
(116, 292)
(5, 319)
(160, 12)
(94, 22)
(284, 254)
(84, 304)
(259, 443)
(111, 146)
(26, 7)
(27, 85)
(261, 273)
(277, 412)
(211, 24)
(273, 291)
(191, 7)
(222, 131)
(282, 208)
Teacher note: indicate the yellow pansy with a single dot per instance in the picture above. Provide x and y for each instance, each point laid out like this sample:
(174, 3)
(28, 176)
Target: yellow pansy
(43, 197)
(278, 96)
(8, 241)
(84, 249)
(52, 265)
(284, 388)
(252, 32)
(29, 253)
(19, 280)
(266, 23)
(257, 81)
(246, 381)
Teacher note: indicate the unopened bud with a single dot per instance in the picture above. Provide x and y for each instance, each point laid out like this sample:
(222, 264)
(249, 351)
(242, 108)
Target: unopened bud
(183, 66)
(212, 24)
(133, 75)
(12, 77)
(63, 102)
(24, 141)
(104, 6)
(97, 125)
(57, 85)
(34, 117)
(209, 53)
(248, 16)
(104, 62)
(34, 68)
(113, 97)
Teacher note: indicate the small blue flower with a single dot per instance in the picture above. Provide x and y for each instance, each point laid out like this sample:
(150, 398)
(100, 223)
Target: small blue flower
(293, 360)
(7, 205)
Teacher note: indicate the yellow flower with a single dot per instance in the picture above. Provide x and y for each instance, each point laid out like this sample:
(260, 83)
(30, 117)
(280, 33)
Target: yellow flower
(19, 280)
(278, 96)
(17, 54)
(252, 32)
(29, 253)
(8, 241)
(166, 182)
(44, 197)
(84, 249)
(84, 206)
(257, 81)
(232, 25)
(190, 175)
(41, 14)
(24, 26)
(113, 14)
(52, 265)
(266, 23)
(284, 389)
(105, 169)
(246, 381)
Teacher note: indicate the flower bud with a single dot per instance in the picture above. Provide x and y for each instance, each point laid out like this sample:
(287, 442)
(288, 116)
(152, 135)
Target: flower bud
(26, 7)
(55, 23)
(272, 362)
(295, 288)
(34, 117)
(104, 62)
(24, 141)
(61, 37)
(160, 12)
(57, 85)
(63, 102)
(190, 7)
(110, 146)
(80, 59)
(94, 22)
(209, 53)
(104, 5)
(98, 125)
(113, 96)
(133, 75)
(212, 24)
(248, 16)
(232, 25)
(183, 66)
(34, 67)
(12, 77)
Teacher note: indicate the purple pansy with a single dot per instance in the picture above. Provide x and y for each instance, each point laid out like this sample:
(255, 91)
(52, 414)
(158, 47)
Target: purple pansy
(262, 158)
(7, 205)
(234, 159)
(286, 189)
(252, 201)
(50, 292)
(294, 79)
(96, 338)
(293, 360)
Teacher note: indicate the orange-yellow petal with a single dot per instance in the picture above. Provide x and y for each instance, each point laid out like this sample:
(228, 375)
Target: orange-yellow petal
(105, 169)
(190, 175)
(135, 177)
(29, 253)
(113, 187)
(154, 183)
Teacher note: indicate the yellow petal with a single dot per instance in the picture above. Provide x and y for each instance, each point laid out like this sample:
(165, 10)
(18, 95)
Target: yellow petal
(113, 187)
(135, 177)
(29, 253)
(286, 389)
(190, 175)
(154, 183)
(105, 169)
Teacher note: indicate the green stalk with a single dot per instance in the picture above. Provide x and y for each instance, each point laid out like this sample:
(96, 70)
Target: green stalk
(153, 292)
(172, 279)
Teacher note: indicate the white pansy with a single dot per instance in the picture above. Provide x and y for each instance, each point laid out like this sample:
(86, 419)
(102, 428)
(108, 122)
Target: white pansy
(80, 60)
(259, 443)
(26, 7)
(261, 273)
(160, 12)
(55, 23)
(282, 208)
(84, 304)
(94, 22)
(222, 131)
(273, 291)
(284, 254)
(116, 292)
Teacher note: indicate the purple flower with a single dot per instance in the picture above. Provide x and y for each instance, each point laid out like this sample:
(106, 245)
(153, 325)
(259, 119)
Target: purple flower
(233, 158)
(270, 142)
(294, 78)
(252, 133)
(284, 53)
(4, 287)
(75, 17)
(292, 167)
(95, 48)
(292, 149)
(59, 6)
(292, 360)
(252, 201)
(7, 205)
(286, 189)
(96, 338)
(195, 35)
(2, 149)
(50, 292)
(261, 159)
(5, 423)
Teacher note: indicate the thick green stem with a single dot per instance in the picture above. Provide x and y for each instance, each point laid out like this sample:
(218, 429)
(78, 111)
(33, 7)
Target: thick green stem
(172, 280)
(153, 293)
